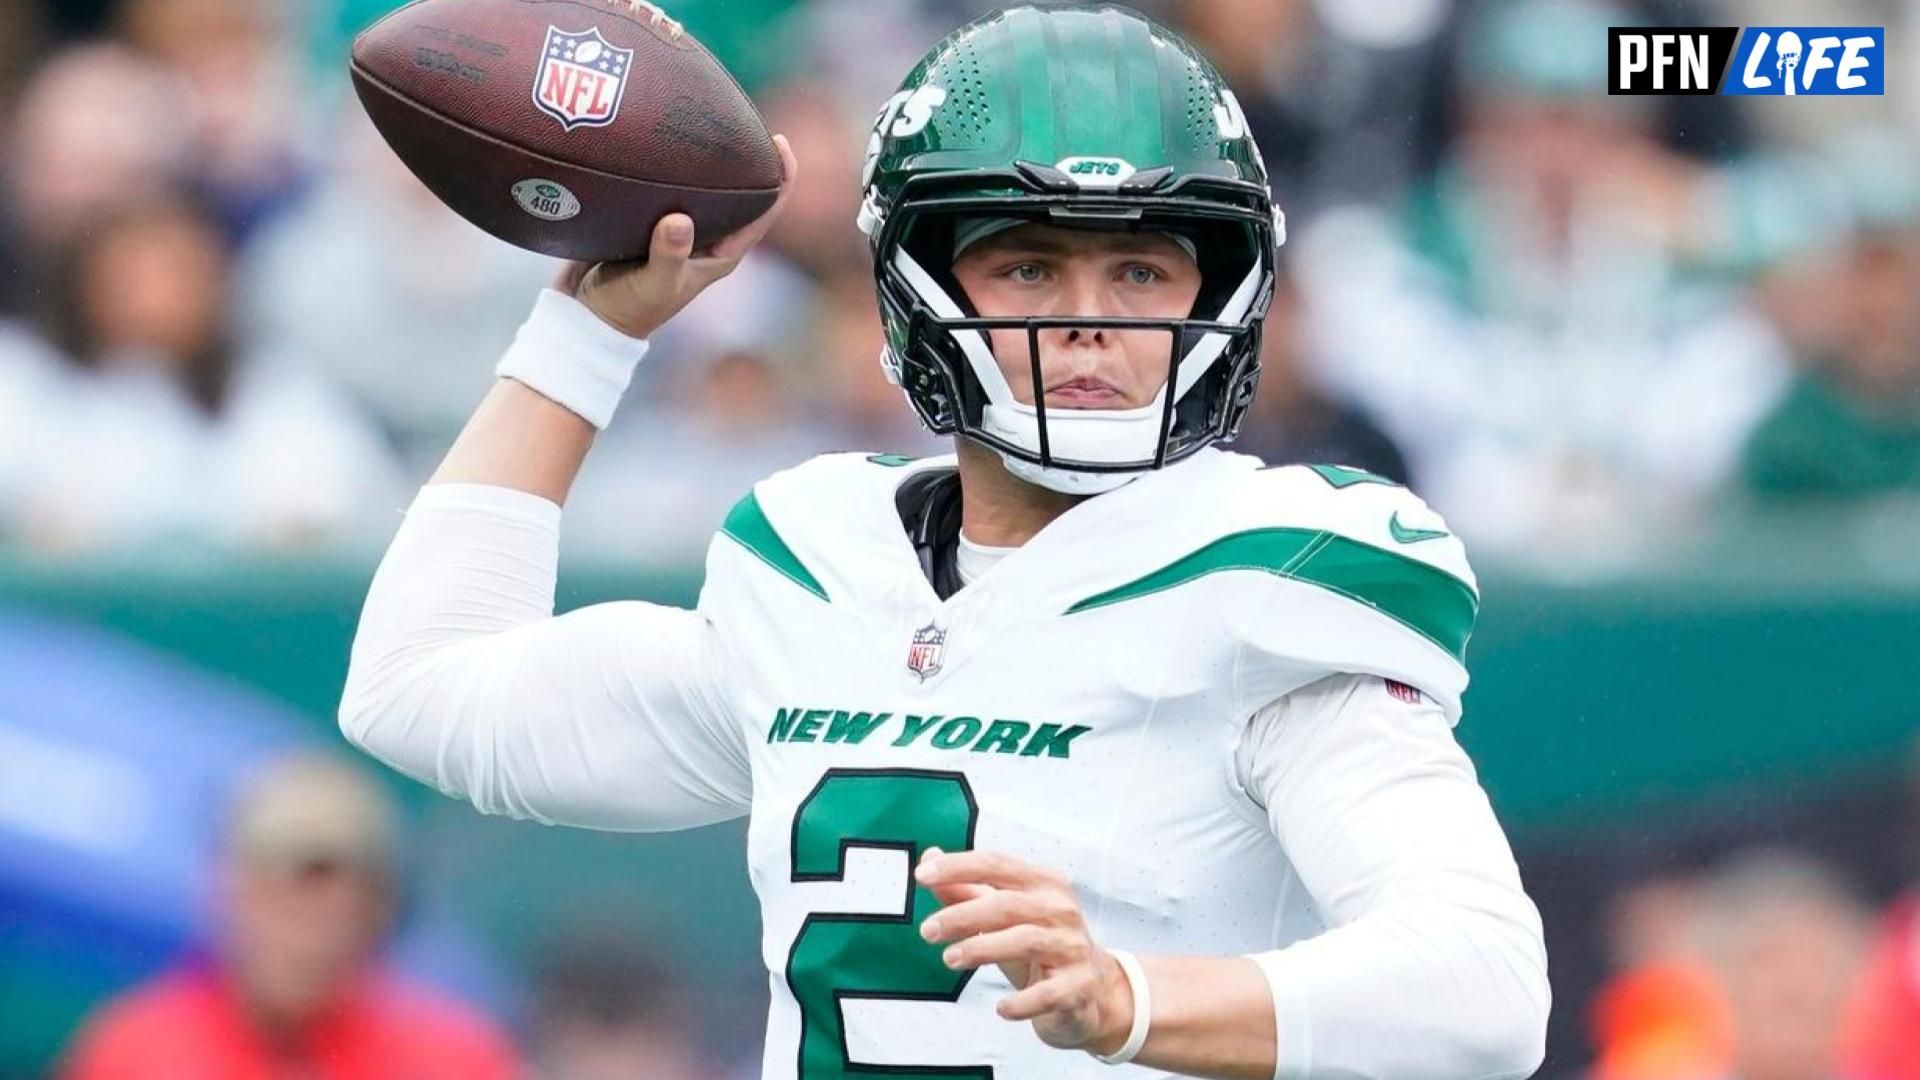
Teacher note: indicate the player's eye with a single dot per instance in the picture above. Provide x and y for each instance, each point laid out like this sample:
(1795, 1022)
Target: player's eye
(1140, 274)
(1027, 273)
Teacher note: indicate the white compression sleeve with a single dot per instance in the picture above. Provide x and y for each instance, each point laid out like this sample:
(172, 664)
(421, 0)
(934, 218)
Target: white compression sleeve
(1434, 965)
(609, 717)
(566, 354)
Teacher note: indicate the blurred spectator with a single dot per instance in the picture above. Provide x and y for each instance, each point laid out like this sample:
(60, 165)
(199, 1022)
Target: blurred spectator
(97, 126)
(1661, 1017)
(1346, 100)
(1533, 332)
(381, 287)
(307, 890)
(243, 103)
(1745, 973)
(1884, 1037)
(20, 42)
(1883, 1040)
(829, 136)
(1843, 113)
(1850, 425)
(764, 307)
(1293, 422)
(660, 484)
(31, 381)
(75, 18)
(860, 47)
(1784, 941)
(165, 430)
(1664, 1021)
(13, 268)
(860, 406)
(604, 1008)
(1782, 222)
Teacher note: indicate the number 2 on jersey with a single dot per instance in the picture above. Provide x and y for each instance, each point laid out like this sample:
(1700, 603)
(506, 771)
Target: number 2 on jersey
(873, 955)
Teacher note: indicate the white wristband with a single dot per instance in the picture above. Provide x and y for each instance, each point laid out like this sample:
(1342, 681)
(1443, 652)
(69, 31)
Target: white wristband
(566, 354)
(1142, 1009)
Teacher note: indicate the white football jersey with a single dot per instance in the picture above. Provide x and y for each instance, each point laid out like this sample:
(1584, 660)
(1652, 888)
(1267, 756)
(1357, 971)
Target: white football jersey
(1078, 706)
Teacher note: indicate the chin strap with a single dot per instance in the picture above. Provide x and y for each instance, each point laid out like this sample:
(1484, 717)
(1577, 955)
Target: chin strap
(1066, 481)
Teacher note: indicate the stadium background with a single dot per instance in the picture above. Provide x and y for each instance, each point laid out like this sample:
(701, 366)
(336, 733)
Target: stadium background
(1657, 360)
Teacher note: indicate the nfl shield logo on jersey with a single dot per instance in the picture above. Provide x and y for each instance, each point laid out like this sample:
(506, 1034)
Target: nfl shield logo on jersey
(581, 78)
(923, 655)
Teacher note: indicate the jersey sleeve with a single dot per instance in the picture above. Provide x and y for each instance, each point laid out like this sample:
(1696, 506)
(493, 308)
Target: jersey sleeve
(1372, 582)
(613, 716)
(1433, 964)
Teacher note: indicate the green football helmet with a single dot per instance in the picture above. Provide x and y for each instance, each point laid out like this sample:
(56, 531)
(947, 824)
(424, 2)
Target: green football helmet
(1081, 117)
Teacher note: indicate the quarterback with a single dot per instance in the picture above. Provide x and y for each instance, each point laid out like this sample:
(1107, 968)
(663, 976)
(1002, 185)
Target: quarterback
(1091, 747)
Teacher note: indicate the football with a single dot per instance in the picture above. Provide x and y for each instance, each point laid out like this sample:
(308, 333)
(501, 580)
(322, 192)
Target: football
(569, 127)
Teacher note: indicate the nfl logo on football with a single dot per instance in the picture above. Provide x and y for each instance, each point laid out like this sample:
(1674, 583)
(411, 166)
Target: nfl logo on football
(581, 78)
(923, 654)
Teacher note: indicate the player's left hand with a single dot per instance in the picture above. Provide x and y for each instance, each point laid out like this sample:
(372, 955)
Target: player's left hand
(1026, 918)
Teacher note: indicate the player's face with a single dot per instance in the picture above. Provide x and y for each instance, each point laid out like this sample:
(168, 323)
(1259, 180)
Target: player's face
(1046, 270)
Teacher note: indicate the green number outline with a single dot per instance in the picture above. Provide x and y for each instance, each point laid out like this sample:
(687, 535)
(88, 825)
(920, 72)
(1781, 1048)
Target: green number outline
(894, 938)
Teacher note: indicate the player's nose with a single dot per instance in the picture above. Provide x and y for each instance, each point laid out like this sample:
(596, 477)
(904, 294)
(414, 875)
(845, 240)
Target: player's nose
(1087, 296)
(1096, 336)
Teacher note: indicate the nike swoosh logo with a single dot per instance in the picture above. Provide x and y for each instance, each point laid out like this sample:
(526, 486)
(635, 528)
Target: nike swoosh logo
(1404, 535)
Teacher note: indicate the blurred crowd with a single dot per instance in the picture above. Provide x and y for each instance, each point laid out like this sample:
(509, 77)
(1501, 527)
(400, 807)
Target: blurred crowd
(307, 887)
(1581, 325)
(1753, 963)
(1584, 327)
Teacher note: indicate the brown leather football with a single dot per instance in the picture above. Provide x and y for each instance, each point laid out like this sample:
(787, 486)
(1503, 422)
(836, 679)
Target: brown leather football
(569, 127)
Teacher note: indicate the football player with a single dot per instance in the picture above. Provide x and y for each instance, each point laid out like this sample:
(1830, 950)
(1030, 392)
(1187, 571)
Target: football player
(1088, 741)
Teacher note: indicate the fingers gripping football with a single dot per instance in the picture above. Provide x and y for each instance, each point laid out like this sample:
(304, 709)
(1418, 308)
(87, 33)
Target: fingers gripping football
(639, 297)
(1025, 918)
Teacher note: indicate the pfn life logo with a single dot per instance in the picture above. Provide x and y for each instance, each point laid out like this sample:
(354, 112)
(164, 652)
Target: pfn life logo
(1795, 60)
(1789, 61)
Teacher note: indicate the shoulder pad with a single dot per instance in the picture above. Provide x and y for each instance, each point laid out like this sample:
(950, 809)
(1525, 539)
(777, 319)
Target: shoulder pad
(818, 522)
(1361, 507)
(1396, 596)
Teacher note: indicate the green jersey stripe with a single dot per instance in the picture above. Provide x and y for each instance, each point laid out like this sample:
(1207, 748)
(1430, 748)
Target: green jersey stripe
(748, 525)
(1342, 476)
(1431, 602)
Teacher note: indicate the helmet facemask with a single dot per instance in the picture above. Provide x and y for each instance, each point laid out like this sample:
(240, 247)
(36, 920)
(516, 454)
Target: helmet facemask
(940, 351)
(1078, 116)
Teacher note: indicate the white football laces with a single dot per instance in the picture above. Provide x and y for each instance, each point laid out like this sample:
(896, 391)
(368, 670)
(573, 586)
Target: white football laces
(658, 18)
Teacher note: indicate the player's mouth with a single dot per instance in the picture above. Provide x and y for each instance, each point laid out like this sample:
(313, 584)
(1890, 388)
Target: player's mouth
(1084, 392)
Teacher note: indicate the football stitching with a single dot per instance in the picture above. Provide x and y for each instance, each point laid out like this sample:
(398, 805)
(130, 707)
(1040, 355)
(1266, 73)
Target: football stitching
(656, 18)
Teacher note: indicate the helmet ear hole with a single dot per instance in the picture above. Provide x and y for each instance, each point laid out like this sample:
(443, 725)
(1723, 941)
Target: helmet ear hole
(1244, 392)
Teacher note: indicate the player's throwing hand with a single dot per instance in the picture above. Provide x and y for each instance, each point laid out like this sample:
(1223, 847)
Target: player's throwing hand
(637, 298)
(1026, 918)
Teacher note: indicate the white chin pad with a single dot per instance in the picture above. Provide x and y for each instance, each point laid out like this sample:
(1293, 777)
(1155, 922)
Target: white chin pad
(1096, 436)
(1101, 436)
